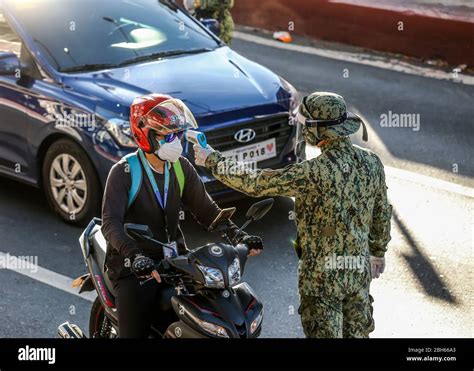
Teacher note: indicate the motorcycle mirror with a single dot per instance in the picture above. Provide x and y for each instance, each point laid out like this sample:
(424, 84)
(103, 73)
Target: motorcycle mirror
(259, 209)
(138, 232)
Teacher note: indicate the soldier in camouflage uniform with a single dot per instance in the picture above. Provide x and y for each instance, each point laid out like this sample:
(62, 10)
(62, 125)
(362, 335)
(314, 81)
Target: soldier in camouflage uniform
(341, 210)
(220, 10)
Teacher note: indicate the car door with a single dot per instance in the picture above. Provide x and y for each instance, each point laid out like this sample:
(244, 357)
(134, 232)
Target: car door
(14, 93)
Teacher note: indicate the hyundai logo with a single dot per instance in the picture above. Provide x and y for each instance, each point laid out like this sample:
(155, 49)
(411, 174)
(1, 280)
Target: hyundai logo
(245, 135)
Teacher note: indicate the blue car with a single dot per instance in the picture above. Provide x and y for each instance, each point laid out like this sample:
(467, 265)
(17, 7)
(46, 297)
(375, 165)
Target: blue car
(69, 71)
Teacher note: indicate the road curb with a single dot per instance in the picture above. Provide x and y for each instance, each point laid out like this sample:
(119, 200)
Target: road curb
(425, 36)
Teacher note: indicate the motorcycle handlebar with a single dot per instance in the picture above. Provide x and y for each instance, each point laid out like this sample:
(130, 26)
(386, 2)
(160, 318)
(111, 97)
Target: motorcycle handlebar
(163, 268)
(159, 277)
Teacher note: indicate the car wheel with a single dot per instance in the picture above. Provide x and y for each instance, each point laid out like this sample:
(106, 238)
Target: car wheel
(71, 183)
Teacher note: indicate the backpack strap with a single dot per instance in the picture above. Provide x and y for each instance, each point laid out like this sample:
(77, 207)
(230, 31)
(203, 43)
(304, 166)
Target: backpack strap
(178, 170)
(136, 175)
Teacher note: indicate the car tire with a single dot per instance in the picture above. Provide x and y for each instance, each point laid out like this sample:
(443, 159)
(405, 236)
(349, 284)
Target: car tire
(70, 182)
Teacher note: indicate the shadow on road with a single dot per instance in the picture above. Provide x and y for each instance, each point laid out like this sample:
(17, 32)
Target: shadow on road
(422, 269)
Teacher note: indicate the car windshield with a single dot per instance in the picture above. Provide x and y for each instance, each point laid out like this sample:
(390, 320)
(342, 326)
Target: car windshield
(80, 35)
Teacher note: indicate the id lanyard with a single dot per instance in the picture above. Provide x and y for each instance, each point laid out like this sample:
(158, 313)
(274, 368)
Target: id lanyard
(156, 190)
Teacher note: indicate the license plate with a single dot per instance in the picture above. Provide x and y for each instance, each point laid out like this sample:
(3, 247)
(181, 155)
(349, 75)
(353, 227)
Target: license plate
(254, 152)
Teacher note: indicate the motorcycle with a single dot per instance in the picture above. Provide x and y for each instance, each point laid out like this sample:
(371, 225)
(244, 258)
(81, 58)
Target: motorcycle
(205, 297)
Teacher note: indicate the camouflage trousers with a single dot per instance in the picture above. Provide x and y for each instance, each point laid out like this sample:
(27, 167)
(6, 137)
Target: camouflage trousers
(227, 28)
(328, 318)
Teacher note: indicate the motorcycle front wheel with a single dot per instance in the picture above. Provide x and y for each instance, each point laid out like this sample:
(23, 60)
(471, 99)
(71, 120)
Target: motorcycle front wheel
(99, 325)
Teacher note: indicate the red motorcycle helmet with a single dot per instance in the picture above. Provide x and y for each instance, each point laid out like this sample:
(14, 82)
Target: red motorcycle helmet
(158, 114)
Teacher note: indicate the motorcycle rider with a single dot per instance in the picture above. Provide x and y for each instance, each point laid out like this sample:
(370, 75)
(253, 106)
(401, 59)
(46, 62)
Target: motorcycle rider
(157, 124)
(341, 210)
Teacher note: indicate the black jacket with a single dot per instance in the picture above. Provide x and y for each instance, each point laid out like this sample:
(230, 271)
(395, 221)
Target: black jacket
(146, 210)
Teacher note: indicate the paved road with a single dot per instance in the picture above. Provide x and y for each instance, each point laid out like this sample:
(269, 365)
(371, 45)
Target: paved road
(427, 287)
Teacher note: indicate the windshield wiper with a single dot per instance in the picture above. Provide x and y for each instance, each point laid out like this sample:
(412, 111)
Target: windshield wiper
(169, 53)
(101, 66)
(88, 67)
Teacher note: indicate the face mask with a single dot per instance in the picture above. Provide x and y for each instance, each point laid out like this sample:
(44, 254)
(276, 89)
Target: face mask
(170, 151)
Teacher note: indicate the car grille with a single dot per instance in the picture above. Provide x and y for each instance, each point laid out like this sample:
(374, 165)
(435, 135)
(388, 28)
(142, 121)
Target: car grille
(274, 127)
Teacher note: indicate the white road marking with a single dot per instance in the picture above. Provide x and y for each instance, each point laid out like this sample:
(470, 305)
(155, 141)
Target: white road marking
(360, 58)
(43, 275)
(429, 181)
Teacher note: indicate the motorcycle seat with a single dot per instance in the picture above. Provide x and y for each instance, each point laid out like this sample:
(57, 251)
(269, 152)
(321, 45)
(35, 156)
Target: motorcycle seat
(98, 252)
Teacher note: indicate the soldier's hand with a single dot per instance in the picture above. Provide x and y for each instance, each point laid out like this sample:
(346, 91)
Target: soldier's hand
(377, 266)
(201, 154)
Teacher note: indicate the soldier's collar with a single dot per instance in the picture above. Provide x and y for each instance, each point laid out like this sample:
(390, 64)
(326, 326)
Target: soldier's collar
(336, 143)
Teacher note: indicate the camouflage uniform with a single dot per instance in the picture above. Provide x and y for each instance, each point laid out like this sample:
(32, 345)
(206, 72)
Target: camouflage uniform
(220, 10)
(341, 208)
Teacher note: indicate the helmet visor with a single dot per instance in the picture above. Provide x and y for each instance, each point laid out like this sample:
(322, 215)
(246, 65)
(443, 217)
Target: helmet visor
(169, 117)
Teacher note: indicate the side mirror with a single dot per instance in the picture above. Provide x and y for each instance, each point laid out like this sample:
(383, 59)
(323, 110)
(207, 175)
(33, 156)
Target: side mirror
(212, 25)
(9, 64)
(138, 232)
(259, 209)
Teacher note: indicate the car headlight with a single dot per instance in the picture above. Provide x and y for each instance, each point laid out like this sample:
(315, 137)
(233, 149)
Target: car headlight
(256, 322)
(213, 329)
(120, 131)
(213, 277)
(234, 272)
(294, 98)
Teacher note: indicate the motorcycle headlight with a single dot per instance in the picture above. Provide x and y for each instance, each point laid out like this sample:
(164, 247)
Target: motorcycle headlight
(209, 327)
(213, 277)
(256, 322)
(213, 329)
(120, 131)
(234, 272)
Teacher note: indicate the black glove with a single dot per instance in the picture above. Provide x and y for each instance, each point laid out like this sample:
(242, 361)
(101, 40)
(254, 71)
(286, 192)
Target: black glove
(142, 266)
(253, 242)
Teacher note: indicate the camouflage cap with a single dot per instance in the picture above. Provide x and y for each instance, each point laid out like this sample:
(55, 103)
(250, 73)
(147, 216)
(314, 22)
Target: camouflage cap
(330, 106)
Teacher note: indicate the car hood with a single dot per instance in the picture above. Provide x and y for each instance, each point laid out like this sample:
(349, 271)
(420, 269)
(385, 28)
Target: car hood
(209, 83)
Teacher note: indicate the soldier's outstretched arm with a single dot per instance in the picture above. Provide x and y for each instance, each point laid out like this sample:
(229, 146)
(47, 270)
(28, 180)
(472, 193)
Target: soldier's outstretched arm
(289, 181)
(379, 236)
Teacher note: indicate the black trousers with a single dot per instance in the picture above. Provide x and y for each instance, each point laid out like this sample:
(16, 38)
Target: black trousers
(141, 305)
